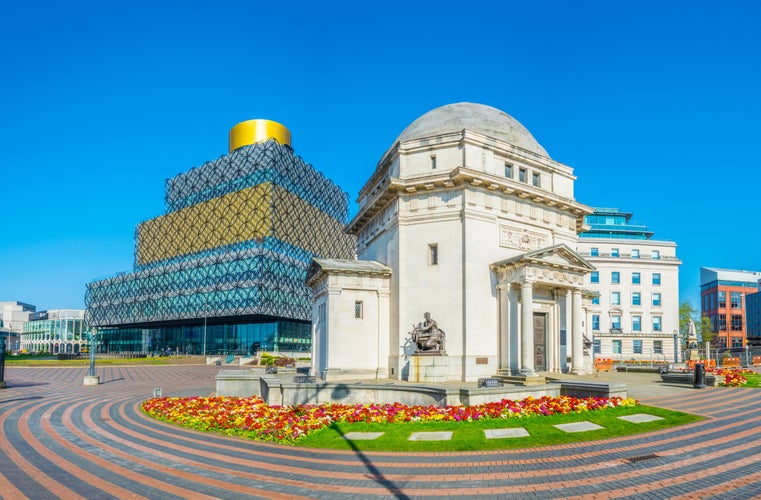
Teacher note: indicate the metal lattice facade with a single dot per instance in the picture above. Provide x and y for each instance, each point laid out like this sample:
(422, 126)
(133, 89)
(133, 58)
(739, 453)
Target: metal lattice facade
(235, 241)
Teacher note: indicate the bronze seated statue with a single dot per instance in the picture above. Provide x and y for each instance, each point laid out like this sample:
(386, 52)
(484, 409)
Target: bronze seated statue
(427, 336)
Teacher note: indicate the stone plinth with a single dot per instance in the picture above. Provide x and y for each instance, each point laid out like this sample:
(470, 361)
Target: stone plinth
(428, 367)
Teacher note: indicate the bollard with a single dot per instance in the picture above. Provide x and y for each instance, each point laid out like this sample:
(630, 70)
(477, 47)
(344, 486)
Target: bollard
(699, 376)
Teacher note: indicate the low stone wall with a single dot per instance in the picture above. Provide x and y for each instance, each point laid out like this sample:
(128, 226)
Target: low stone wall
(276, 390)
(688, 378)
(584, 389)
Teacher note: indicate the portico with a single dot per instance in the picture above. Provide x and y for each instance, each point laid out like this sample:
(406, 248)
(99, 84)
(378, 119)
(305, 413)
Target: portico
(540, 302)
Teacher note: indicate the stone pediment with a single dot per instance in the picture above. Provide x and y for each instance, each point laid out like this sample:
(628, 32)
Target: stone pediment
(552, 265)
(557, 256)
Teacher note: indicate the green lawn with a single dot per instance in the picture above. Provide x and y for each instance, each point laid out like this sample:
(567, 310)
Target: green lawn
(753, 380)
(469, 436)
(85, 361)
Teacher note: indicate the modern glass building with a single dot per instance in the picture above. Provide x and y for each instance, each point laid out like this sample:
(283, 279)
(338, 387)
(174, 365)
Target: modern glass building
(613, 223)
(55, 332)
(223, 270)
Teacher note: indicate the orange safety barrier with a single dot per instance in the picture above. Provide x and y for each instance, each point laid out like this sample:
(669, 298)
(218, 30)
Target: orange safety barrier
(731, 362)
(756, 360)
(710, 363)
(603, 364)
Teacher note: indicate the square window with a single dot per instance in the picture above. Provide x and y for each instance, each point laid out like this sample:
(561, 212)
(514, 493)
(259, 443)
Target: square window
(433, 254)
(658, 346)
(656, 299)
(358, 309)
(522, 175)
(615, 277)
(635, 278)
(509, 170)
(616, 347)
(536, 180)
(656, 278)
(596, 300)
(637, 346)
(636, 299)
(594, 252)
(614, 252)
(615, 298)
(656, 254)
(615, 321)
(737, 322)
(594, 277)
(635, 253)
(735, 300)
(637, 324)
(657, 324)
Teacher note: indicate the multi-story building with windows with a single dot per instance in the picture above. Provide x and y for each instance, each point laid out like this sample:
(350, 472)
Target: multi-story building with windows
(753, 317)
(723, 295)
(57, 332)
(13, 317)
(224, 269)
(635, 311)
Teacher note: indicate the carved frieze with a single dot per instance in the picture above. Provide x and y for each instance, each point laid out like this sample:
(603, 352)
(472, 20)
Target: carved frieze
(521, 239)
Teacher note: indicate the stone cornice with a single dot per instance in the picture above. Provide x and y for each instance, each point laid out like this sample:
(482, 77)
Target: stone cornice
(462, 177)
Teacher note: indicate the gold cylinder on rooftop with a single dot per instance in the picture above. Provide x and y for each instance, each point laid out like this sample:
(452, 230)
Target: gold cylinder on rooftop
(253, 131)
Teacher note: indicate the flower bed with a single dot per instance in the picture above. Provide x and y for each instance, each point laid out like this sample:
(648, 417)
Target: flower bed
(251, 418)
(732, 377)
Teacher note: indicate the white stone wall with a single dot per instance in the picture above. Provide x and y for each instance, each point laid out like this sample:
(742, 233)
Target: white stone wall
(347, 346)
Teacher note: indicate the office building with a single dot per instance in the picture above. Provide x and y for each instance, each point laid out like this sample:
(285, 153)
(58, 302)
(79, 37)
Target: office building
(635, 312)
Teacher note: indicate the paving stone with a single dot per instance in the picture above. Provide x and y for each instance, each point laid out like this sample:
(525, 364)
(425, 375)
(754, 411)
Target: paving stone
(639, 418)
(362, 436)
(431, 436)
(578, 427)
(506, 433)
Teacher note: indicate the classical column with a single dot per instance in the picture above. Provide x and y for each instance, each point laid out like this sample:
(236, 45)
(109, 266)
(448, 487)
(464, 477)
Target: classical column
(527, 329)
(504, 328)
(577, 361)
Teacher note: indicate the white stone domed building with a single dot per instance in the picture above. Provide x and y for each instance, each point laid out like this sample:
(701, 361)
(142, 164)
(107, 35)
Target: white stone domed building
(465, 217)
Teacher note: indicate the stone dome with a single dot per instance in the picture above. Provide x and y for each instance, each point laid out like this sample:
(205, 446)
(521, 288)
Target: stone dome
(479, 118)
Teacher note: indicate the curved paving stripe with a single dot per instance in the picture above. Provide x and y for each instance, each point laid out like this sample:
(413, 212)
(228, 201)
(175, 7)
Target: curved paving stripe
(80, 441)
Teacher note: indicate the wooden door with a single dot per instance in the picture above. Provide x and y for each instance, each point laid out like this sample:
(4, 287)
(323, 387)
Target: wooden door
(540, 320)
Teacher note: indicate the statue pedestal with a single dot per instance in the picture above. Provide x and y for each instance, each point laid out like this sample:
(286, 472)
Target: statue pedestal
(431, 366)
(692, 355)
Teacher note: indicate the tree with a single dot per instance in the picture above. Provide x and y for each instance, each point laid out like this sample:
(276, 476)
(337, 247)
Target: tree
(702, 324)
(705, 331)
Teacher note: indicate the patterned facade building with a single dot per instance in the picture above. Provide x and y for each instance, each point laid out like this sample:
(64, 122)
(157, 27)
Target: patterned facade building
(224, 268)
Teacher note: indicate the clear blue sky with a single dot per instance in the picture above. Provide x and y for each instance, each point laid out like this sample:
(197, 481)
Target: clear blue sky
(655, 105)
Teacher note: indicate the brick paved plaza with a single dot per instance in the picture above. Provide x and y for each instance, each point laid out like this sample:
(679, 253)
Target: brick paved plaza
(61, 439)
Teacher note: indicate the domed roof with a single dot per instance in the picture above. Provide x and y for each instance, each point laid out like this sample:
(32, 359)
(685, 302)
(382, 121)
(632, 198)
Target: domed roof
(476, 117)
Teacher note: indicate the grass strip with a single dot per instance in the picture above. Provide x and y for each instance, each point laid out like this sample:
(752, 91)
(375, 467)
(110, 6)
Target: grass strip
(470, 436)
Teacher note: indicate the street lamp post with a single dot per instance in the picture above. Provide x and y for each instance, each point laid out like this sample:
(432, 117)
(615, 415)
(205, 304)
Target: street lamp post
(91, 378)
(2, 359)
